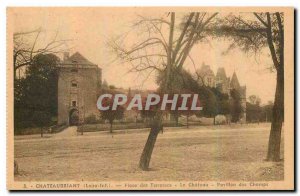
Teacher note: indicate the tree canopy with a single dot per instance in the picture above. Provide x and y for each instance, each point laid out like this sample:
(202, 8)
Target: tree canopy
(36, 93)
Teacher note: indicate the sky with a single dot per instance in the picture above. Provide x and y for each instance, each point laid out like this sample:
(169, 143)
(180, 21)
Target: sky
(91, 28)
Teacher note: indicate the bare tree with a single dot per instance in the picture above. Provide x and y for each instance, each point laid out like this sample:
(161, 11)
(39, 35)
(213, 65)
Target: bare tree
(164, 47)
(263, 30)
(27, 46)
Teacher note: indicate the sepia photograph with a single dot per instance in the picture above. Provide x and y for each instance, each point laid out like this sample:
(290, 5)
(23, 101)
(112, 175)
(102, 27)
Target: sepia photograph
(150, 98)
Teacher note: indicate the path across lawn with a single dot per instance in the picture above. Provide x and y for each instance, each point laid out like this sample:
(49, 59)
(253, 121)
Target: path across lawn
(67, 132)
(198, 153)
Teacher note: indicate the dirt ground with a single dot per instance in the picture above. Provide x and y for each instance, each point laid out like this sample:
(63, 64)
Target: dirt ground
(209, 153)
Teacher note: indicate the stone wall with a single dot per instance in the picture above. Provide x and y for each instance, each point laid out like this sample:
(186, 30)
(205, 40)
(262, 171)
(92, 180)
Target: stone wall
(88, 81)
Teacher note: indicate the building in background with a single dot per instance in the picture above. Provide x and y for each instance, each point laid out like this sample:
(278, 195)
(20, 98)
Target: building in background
(79, 84)
(223, 83)
(206, 76)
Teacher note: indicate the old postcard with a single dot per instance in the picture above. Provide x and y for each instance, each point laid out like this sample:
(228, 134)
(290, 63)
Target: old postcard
(150, 98)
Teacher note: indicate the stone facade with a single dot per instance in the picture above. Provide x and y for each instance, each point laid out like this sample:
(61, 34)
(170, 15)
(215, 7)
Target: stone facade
(223, 83)
(206, 76)
(79, 84)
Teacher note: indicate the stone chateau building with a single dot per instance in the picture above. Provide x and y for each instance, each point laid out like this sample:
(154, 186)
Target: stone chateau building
(79, 84)
(223, 83)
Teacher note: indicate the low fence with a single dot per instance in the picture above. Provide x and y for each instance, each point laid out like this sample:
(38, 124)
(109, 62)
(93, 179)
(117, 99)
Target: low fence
(121, 126)
(37, 130)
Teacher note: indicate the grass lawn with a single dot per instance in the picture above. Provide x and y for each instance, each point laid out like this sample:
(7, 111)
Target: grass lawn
(209, 153)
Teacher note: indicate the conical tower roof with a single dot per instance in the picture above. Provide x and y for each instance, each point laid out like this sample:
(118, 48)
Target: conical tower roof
(234, 83)
(221, 74)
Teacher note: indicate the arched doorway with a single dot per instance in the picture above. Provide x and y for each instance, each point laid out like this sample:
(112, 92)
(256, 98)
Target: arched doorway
(73, 117)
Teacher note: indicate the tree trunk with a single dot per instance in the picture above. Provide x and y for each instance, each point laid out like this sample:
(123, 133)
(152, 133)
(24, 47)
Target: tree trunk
(110, 129)
(136, 121)
(41, 132)
(187, 121)
(214, 120)
(156, 125)
(278, 116)
(177, 119)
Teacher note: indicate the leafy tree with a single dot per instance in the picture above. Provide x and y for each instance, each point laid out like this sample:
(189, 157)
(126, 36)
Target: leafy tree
(91, 119)
(112, 87)
(37, 93)
(41, 119)
(110, 114)
(253, 99)
(222, 103)
(148, 114)
(253, 112)
(253, 109)
(267, 112)
(182, 82)
(235, 105)
(209, 102)
(212, 100)
(252, 34)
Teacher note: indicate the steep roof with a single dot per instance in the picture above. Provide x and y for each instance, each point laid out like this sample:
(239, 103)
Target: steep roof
(77, 58)
(221, 74)
(205, 70)
(234, 83)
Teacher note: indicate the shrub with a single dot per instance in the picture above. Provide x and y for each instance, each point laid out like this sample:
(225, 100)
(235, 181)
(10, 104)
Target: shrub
(91, 119)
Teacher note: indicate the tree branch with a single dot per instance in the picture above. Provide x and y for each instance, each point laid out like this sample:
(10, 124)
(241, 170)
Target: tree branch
(260, 19)
(270, 41)
(281, 39)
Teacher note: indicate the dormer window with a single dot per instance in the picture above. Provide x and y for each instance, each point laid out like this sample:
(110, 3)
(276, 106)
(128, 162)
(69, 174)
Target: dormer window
(74, 84)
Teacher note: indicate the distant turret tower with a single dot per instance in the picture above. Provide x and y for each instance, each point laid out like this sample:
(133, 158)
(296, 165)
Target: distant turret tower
(206, 76)
(234, 84)
(223, 83)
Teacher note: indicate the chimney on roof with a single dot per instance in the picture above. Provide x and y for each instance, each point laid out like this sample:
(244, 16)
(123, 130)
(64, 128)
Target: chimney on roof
(66, 55)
